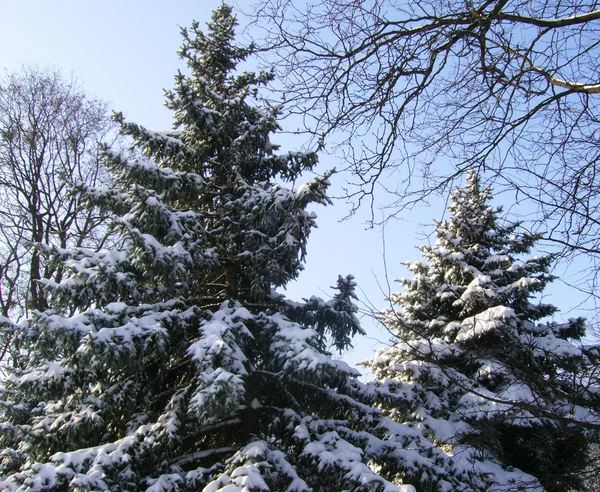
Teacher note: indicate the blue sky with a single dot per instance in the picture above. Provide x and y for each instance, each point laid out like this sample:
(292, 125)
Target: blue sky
(124, 52)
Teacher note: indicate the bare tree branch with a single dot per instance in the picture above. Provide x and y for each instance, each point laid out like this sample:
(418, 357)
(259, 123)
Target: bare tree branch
(49, 134)
(415, 93)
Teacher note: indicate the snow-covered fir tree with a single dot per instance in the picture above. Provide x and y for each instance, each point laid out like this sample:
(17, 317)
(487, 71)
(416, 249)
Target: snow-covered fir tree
(479, 370)
(172, 364)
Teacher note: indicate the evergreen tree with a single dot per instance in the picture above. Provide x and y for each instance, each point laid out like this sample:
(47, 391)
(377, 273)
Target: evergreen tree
(172, 363)
(479, 370)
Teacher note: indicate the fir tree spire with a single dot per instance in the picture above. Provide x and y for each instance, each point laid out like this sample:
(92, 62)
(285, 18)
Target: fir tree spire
(216, 54)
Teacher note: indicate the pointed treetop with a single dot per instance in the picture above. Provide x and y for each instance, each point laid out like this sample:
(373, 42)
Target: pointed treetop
(470, 210)
(214, 56)
(472, 182)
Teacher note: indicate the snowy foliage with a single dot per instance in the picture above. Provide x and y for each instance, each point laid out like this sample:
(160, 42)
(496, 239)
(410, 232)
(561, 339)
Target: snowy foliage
(172, 364)
(479, 372)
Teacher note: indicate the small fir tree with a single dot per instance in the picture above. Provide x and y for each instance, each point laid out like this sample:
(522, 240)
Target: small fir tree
(172, 363)
(480, 373)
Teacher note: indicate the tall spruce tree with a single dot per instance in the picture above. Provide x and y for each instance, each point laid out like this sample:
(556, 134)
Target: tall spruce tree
(477, 367)
(172, 363)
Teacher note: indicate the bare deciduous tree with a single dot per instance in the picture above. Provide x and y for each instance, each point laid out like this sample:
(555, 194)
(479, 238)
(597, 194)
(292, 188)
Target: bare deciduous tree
(427, 89)
(49, 135)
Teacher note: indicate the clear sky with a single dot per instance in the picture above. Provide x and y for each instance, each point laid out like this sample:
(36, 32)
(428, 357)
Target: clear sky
(124, 52)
